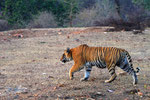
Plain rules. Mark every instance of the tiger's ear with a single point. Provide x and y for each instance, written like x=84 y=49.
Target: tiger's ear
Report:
x=68 y=50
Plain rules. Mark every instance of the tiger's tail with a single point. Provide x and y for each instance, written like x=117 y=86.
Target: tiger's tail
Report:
x=137 y=69
x=130 y=62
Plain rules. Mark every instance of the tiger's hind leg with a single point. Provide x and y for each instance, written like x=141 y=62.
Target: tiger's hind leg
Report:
x=112 y=73
x=127 y=67
x=131 y=71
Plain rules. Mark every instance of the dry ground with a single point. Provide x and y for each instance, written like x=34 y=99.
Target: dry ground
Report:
x=31 y=70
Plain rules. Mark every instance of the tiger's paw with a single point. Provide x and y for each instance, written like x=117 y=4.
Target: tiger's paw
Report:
x=83 y=79
x=71 y=78
x=135 y=83
x=107 y=81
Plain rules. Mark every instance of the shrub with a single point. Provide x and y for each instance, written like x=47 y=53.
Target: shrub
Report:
x=85 y=18
x=4 y=25
x=43 y=20
x=101 y=13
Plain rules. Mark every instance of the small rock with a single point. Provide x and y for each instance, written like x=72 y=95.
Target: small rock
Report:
x=133 y=91
x=126 y=99
x=3 y=57
x=82 y=36
x=140 y=60
x=54 y=88
x=68 y=37
x=99 y=93
x=61 y=85
x=42 y=42
x=18 y=35
x=110 y=90
x=77 y=40
x=137 y=31
x=4 y=39
x=140 y=94
x=16 y=97
x=89 y=99
x=45 y=57
x=59 y=33
x=33 y=60
x=50 y=77
x=44 y=73
x=45 y=33
x=148 y=87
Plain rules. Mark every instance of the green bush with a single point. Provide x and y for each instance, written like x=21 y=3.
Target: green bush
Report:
x=144 y=3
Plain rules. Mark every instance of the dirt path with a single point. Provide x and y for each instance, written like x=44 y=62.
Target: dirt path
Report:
x=30 y=67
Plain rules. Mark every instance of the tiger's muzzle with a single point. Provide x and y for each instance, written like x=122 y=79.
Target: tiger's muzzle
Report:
x=64 y=61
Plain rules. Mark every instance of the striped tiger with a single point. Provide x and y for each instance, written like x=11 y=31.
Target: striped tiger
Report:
x=102 y=57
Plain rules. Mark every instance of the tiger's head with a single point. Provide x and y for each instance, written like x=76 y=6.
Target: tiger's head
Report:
x=67 y=56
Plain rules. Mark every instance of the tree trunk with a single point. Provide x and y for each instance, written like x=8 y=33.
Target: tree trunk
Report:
x=118 y=9
x=70 y=16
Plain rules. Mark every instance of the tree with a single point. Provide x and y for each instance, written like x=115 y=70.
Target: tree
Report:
x=18 y=11
x=144 y=3
x=71 y=10
x=1 y=4
x=57 y=8
x=118 y=9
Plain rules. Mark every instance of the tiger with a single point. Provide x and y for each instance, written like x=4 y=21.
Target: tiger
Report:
x=85 y=57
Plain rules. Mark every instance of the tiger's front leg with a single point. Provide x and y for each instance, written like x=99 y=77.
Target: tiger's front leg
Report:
x=88 y=69
x=73 y=69
x=86 y=74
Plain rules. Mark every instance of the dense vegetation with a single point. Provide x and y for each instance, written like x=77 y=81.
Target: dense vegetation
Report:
x=18 y=11
x=23 y=13
x=144 y=3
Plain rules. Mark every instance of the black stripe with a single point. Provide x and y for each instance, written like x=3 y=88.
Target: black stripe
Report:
x=96 y=63
x=110 y=70
x=100 y=64
x=112 y=73
x=129 y=60
x=131 y=71
x=128 y=56
x=125 y=67
x=97 y=57
x=114 y=79
x=104 y=50
x=88 y=70
x=128 y=69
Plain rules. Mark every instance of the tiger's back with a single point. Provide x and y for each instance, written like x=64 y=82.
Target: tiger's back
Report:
x=107 y=55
